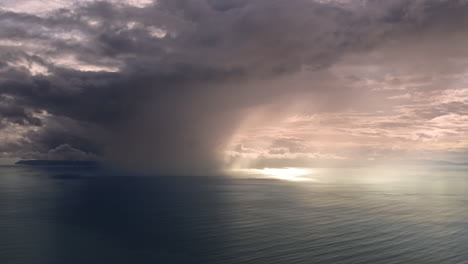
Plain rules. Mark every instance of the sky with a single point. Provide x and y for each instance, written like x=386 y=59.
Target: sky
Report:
x=186 y=86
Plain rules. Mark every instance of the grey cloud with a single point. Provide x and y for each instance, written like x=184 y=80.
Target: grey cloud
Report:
x=11 y=112
x=292 y=145
x=65 y=152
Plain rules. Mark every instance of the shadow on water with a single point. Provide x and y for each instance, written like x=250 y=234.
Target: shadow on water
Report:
x=100 y=218
x=149 y=218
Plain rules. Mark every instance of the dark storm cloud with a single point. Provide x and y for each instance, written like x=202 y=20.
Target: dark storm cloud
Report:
x=11 y=112
x=166 y=85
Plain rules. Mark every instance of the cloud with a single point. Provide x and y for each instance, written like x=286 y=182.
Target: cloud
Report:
x=62 y=152
x=166 y=85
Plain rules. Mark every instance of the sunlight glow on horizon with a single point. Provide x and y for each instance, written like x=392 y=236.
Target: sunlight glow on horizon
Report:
x=287 y=174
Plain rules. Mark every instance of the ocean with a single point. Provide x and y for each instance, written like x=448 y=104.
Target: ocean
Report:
x=81 y=215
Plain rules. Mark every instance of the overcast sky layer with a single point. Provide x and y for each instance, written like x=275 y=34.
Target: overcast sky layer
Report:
x=202 y=85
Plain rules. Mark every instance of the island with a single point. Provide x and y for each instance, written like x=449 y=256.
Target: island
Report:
x=80 y=163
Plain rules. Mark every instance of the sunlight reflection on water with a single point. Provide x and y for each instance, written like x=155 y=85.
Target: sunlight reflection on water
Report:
x=287 y=174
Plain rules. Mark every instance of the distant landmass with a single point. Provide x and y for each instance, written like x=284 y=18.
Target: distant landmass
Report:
x=435 y=162
x=57 y=163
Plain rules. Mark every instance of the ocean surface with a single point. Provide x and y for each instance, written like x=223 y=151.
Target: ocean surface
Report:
x=77 y=215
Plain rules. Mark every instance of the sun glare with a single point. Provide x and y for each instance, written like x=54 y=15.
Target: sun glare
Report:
x=287 y=174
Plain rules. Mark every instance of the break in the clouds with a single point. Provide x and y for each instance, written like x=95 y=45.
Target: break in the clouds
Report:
x=201 y=85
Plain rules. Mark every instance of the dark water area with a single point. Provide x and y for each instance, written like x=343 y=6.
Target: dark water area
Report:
x=72 y=215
